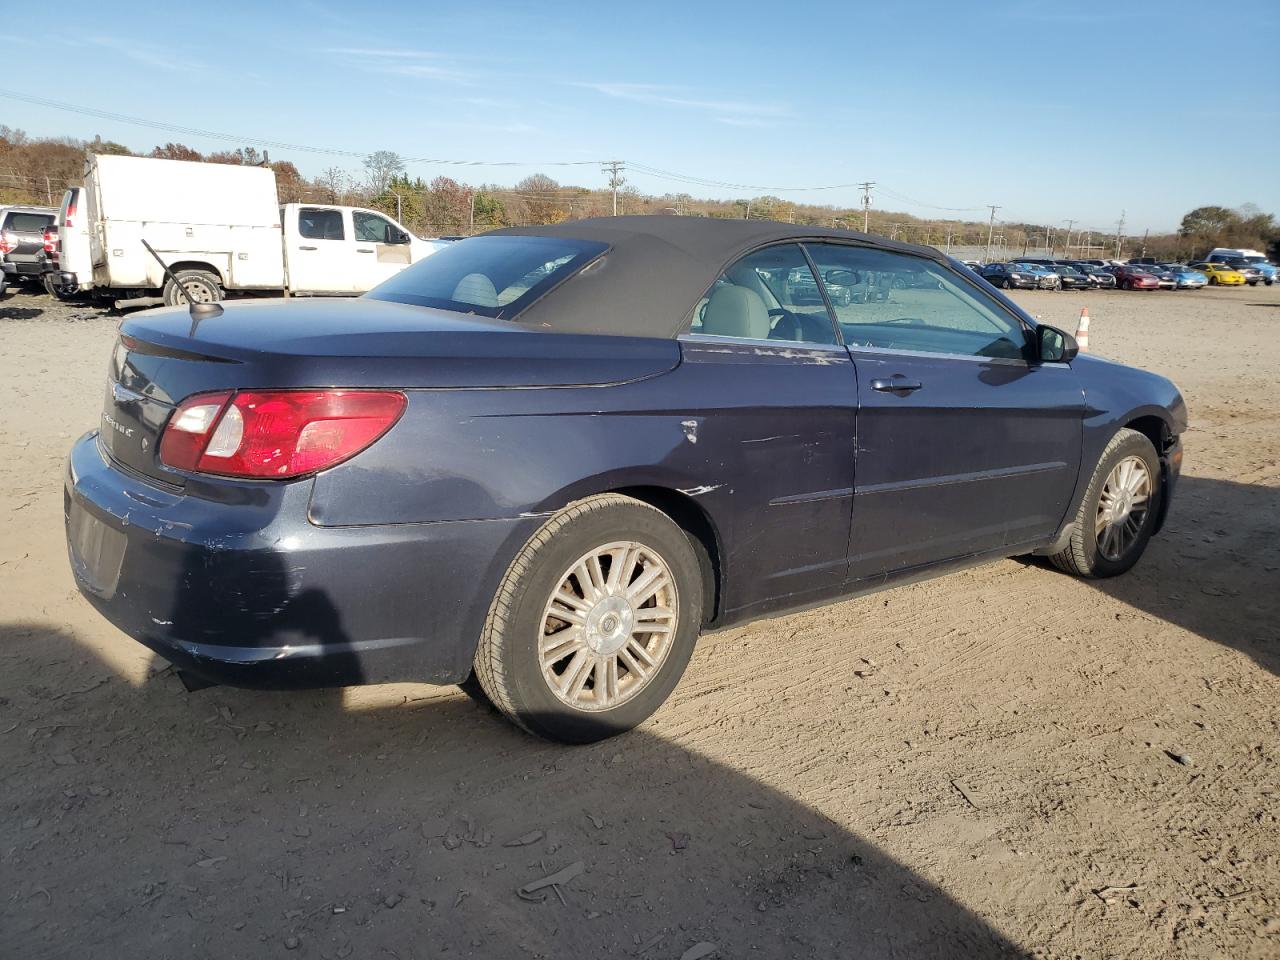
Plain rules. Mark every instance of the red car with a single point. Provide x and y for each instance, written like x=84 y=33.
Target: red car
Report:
x=1132 y=277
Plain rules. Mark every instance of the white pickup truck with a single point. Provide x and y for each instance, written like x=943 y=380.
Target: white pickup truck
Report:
x=219 y=228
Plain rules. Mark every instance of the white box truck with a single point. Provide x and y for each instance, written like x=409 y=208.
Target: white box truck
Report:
x=220 y=228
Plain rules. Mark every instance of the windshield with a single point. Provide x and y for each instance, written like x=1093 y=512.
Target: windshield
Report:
x=493 y=276
x=1064 y=268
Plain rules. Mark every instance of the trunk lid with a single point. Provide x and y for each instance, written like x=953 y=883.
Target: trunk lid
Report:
x=163 y=357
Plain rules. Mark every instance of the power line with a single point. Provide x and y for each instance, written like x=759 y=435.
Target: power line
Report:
x=278 y=144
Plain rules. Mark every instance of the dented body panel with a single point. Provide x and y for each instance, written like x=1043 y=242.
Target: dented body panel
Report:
x=807 y=480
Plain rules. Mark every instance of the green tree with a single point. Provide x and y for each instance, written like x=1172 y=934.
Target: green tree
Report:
x=489 y=210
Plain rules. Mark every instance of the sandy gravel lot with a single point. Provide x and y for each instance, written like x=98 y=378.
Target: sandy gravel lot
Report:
x=998 y=781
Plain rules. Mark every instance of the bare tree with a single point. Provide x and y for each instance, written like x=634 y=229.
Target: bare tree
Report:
x=541 y=197
x=381 y=166
x=333 y=184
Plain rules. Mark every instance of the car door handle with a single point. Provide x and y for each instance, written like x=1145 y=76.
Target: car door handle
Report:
x=896 y=384
x=364 y=249
x=306 y=248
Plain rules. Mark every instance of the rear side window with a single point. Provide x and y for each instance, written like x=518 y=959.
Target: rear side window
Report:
x=317 y=224
x=494 y=276
x=27 y=222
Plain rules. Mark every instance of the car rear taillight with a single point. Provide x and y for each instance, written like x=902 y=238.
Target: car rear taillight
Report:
x=50 y=239
x=276 y=434
x=7 y=242
x=71 y=208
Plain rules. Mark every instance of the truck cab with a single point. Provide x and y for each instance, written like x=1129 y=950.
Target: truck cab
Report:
x=344 y=250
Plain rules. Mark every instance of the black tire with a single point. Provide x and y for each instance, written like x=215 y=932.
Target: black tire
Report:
x=202 y=285
x=1127 y=285
x=60 y=291
x=471 y=687
x=1213 y=281
x=1082 y=556
x=1006 y=284
x=507 y=658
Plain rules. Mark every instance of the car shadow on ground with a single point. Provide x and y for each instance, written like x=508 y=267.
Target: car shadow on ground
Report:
x=1215 y=567
x=228 y=823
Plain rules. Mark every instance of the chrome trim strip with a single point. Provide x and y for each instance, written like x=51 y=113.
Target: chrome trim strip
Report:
x=812 y=497
x=951 y=479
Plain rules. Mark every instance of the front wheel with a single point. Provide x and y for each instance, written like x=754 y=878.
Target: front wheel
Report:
x=1006 y=284
x=1127 y=285
x=594 y=623
x=1119 y=510
x=200 y=284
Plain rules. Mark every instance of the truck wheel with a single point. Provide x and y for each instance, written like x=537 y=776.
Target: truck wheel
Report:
x=594 y=623
x=1118 y=512
x=60 y=291
x=202 y=285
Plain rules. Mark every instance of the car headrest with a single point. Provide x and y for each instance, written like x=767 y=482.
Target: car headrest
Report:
x=476 y=288
x=735 y=311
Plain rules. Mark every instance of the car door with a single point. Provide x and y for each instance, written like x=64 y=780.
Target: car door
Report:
x=321 y=252
x=965 y=446
x=777 y=399
x=375 y=259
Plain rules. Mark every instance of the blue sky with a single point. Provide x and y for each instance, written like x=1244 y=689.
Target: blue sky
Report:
x=1053 y=111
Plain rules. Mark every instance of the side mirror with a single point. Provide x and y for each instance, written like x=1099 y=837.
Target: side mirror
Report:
x=1055 y=346
x=842 y=278
x=394 y=235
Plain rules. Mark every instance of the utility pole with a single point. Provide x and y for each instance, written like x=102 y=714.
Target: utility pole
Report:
x=948 y=239
x=866 y=203
x=1048 y=240
x=1119 y=234
x=991 y=229
x=1070 y=225
x=471 y=222
x=1144 y=242
x=614 y=168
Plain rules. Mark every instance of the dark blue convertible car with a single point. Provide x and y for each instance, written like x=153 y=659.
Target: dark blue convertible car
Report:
x=542 y=461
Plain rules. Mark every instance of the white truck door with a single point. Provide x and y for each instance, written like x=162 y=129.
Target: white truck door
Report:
x=320 y=251
x=376 y=259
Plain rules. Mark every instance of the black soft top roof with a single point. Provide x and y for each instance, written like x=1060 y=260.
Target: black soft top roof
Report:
x=657 y=267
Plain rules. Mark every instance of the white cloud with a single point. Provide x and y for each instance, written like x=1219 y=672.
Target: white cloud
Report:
x=149 y=55
x=675 y=97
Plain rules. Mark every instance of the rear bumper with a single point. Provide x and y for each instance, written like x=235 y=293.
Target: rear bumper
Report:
x=246 y=591
x=23 y=268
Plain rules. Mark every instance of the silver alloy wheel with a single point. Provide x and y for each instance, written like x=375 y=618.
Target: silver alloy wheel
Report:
x=1122 y=507
x=608 y=626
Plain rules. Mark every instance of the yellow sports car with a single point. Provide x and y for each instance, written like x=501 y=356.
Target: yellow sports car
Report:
x=1219 y=273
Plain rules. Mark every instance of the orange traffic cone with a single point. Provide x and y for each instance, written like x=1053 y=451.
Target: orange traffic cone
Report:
x=1082 y=331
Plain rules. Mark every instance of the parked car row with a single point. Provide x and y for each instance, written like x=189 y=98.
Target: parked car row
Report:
x=1219 y=268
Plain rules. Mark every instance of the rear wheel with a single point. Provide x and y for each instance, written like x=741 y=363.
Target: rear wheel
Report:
x=1119 y=510
x=200 y=284
x=594 y=622
x=60 y=291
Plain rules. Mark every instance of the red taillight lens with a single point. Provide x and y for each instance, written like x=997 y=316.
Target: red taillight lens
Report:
x=50 y=239
x=276 y=434
x=71 y=209
x=7 y=243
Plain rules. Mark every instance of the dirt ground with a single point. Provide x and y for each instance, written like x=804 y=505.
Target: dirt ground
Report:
x=1002 y=762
